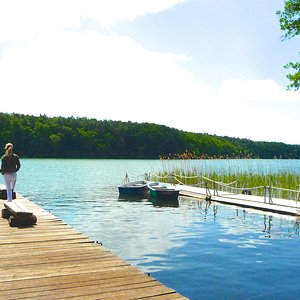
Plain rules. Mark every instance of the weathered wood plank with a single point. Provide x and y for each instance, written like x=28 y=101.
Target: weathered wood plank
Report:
x=17 y=207
x=77 y=285
x=65 y=250
x=51 y=281
x=113 y=290
x=39 y=260
x=51 y=260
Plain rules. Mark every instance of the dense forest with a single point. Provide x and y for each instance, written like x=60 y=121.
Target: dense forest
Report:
x=58 y=137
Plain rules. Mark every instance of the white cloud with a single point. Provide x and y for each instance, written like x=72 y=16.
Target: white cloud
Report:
x=256 y=90
x=257 y=109
x=109 y=12
x=22 y=20
x=88 y=70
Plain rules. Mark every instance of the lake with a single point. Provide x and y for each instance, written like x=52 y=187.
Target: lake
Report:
x=202 y=250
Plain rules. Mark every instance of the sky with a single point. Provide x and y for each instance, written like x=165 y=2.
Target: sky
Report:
x=205 y=66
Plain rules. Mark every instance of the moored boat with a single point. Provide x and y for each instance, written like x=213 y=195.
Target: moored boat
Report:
x=135 y=189
x=163 y=194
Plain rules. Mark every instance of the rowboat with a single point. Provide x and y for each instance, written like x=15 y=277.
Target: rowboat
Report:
x=162 y=194
x=133 y=189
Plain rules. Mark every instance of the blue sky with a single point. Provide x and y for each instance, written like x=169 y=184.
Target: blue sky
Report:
x=224 y=39
x=208 y=66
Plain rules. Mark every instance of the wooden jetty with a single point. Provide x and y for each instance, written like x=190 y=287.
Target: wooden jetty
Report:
x=277 y=205
x=228 y=193
x=51 y=260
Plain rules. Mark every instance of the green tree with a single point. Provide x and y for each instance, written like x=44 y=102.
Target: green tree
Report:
x=290 y=24
x=60 y=137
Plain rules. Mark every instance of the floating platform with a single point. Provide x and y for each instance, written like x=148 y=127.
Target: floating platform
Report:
x=51 y=260
x=282 y=206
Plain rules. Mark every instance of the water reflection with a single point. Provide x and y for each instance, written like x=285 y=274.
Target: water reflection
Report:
x=156 y=202
x=132 y=198
x=164 y=203
x=236 y=220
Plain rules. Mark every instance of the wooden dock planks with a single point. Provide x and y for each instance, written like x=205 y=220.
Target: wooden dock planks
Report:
x=281 y=206
x=51 y=260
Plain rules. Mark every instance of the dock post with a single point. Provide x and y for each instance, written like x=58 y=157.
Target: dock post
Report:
x=265 y=194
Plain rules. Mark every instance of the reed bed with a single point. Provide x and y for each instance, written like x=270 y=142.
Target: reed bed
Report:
x=245 y=172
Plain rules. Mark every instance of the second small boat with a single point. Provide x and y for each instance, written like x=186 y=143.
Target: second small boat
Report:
x=163 y=194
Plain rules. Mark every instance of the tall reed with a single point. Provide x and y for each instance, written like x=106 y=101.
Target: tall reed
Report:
x=246 y=172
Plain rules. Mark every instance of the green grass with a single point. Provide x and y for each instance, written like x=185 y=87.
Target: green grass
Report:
x=246 y=173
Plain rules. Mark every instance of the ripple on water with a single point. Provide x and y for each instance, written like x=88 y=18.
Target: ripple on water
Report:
x=203 y=250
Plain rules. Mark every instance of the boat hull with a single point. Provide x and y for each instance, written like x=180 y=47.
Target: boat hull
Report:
x=133 y=189
x=163 y=195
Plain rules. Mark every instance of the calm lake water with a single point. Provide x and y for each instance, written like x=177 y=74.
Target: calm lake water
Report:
x=202 y=251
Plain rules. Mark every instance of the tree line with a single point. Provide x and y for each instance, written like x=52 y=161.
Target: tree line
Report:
x=59 y=137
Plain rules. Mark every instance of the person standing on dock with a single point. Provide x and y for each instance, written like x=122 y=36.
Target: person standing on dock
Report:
x=10 y=165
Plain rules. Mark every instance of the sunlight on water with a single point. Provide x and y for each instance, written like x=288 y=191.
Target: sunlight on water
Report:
x=203 y=250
